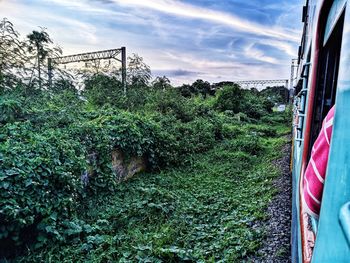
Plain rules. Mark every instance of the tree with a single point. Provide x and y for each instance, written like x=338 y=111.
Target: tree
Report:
x=138 y=72
x=101 y=89
x=63 y=85
x=230 y=98
x=12 y=55
x=161 y=83
x=38 y=42
x=203 y=87
x=186 y=90
x=276 y=94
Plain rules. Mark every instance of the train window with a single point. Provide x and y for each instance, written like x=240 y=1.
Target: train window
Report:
x=327 y=74
x=301 y=98
x=335 y=11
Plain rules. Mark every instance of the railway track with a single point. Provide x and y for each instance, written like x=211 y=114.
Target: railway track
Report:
x=276 y=245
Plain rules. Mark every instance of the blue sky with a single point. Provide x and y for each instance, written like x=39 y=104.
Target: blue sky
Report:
x=182 y=39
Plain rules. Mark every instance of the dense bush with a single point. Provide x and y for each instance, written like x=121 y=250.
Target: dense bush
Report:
x=234 y=99
x=39 y=181
x=46 y=140
x=230 y=98
x=101 y=89
x=40 y=173
x=171 y=103
x=11 y=109
x=277 y=94
x=42 y=166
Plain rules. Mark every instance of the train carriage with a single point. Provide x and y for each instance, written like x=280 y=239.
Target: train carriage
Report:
x=323 y=81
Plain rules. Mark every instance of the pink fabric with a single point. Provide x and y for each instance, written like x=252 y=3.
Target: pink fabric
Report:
x=316 y=170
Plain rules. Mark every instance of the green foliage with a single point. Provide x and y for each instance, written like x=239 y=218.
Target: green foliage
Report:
x=161 y=83
x=39 y=180
x=198 y=87
x=63 y=85
x=203 y=87
x=39 y=40
x=102 y=89
x=39 y=49
x=11 y=109
x=277 y=94
x=277 y=117
x=203 y=212
x=138 y=72
x=249 y=144
x=208 y=178
x=229 y=98
x=44 y=158
x=234 y=99
x=187 y=90
x=12 y=55
x=171 y=103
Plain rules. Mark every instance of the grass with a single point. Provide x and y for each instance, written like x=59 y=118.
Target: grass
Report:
x=204 y=211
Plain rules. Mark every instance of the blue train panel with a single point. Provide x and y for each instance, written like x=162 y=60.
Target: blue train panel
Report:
x=324 y=81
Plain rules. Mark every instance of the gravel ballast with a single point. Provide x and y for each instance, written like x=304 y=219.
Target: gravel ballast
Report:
x=276 y=246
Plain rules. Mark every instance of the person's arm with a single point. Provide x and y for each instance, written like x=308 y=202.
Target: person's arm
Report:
x=315 y=172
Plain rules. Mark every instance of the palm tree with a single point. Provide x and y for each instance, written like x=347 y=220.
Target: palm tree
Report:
x=161 y=83
x=38 y=40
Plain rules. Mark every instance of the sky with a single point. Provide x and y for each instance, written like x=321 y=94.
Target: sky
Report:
x=185 y=40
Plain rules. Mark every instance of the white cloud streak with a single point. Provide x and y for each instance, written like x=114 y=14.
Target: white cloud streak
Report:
x=186 y=10
x=251 y=52
x=86 y=32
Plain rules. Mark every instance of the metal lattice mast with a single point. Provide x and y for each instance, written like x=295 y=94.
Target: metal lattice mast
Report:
x=292 y=72
x=91 y=56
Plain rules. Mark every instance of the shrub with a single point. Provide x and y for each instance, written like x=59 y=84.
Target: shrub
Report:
x=11 y=109
x=249 y=144
x=230 y=131
x=101 y=89
x=39 y=181
x=230 y=98
x=170 y=102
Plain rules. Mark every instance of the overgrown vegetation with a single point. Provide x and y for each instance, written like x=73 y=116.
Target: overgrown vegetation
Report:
x=208 y=158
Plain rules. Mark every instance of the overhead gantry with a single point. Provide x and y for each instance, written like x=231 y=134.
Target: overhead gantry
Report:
x=91 y=56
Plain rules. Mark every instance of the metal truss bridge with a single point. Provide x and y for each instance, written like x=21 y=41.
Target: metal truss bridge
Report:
x=91 y=56
x=263 y=83
x=254 y=83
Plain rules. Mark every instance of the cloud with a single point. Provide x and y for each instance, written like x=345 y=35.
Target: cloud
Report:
x=254 y=53
x=175 y=73
x=286 y=47
x=82 y=6
x=178 y=8
x=180 y=40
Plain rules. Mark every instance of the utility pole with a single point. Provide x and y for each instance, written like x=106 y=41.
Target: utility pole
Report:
x=123 y=50
x=49 y=71
x=292 y=72
x=293 y=65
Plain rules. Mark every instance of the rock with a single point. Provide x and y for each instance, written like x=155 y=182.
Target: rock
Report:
x=137 y=164
x=118 y=165
x=122 y=168
x=125 y=170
